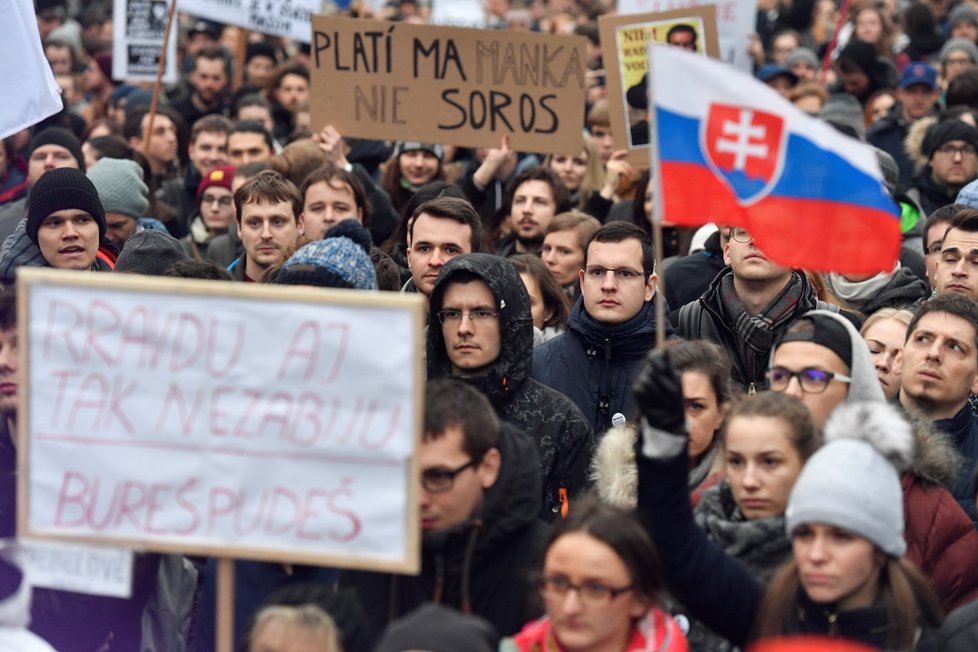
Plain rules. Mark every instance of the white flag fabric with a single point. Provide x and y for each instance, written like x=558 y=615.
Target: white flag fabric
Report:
x=30 y=92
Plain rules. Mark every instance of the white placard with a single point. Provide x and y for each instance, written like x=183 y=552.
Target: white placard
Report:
x=291 y=18
x=138 y=27
x=736 y=20
x=260 y=422
x=93 y=570
x=459 y=13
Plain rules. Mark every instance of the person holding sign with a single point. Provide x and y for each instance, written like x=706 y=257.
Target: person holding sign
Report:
x=269 y=214
x=478 y=298
x=481 y=539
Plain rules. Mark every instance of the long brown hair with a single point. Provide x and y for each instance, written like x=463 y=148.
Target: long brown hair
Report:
x=909 y=600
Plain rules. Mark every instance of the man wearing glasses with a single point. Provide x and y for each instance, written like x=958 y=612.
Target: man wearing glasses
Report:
x=216 y=212
x=611 y=328
x=951 y=148
x=481 y=540
x=821 y=360
x=746 y=307
x=480 y=329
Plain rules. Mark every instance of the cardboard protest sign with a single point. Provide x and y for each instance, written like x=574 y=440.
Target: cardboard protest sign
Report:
x=280 y=18
x=451 y=85
x=258 y=422
x=624 y=42
x=137 y=41
x=735 y=21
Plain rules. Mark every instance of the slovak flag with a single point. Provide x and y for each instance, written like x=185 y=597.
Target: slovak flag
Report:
x=729 y=149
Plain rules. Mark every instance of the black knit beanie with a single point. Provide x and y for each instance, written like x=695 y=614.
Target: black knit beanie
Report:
x=58 y=136
x=59 y=189
x=942 y=132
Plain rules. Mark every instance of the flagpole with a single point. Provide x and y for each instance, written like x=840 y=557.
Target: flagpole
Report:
x=656 y=217
x=148 y=134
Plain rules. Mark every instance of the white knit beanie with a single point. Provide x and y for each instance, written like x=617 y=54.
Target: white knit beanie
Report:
x=853 y=481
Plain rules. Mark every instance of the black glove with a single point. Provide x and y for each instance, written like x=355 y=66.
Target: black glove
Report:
x=658 y=392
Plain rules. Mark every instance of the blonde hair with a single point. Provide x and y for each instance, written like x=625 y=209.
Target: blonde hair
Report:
x=901 y=315
x=307 y=616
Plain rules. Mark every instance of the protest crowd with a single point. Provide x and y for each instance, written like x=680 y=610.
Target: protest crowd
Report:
x=797 y=463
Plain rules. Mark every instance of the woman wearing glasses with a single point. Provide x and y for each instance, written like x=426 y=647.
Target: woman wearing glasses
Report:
x=600 y=586
x=847 y=576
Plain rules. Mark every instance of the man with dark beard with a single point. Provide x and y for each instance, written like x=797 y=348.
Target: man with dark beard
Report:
x=533 y=197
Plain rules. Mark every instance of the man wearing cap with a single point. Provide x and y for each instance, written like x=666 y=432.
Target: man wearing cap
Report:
x=50 y=148
x=215 y=202
x=917 y=97
x=777 y=77
x=124 y=198
x=951 y=148
x=207 y=85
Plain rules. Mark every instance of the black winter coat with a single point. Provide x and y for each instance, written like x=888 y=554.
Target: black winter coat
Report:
x=563 y=437
x=484 y=566
x=594 y=364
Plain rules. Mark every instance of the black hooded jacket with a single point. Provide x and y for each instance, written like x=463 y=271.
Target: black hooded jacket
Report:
x=563 y=437
x=484 y=566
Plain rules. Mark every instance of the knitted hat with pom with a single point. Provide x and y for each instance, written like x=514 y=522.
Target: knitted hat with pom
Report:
x=340 y=260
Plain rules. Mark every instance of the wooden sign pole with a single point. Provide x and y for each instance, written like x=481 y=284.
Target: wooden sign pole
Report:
x=148 y=134
x=239 y=57
x=225 y=605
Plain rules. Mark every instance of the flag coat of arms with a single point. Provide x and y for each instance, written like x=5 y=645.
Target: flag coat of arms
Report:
x=729 y=149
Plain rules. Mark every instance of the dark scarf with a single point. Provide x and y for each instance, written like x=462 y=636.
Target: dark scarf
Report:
x=761 y=544
x=755 y=333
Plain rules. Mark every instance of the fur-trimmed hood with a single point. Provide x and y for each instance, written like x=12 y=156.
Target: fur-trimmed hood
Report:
x=613 y=470
x=936 y=459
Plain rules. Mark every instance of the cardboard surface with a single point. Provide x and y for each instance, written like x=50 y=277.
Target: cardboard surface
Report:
x=623 y=41
x=225 y=419
x=450 y=85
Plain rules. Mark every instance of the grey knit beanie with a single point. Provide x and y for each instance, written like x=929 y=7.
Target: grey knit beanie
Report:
x=853 y=481
x=801 y=55
x=150 y=252
x=340 y=260
x=120 y=186
x=61 y=189
x=963 y=44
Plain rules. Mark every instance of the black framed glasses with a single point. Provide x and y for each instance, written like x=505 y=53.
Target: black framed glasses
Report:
x=438 y=481
x=598 y=273
x=556 y=587
x=811 y=380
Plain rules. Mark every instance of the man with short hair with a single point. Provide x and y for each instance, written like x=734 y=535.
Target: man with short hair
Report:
x=480 y=329
x=957 y=265
x=162 y=151
x=249 y=142
x=951 y=148
x=50 y=148
x=225 y=249
x=481 y=539
x=269 y=218
x=917 y=97
x=746 y=307
x=933 y=234
x=535 y=196
x=939 y=373
x=208 y=149
x=683 y=36
x=611 y=328
x=208 y=85
x=440 y=229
